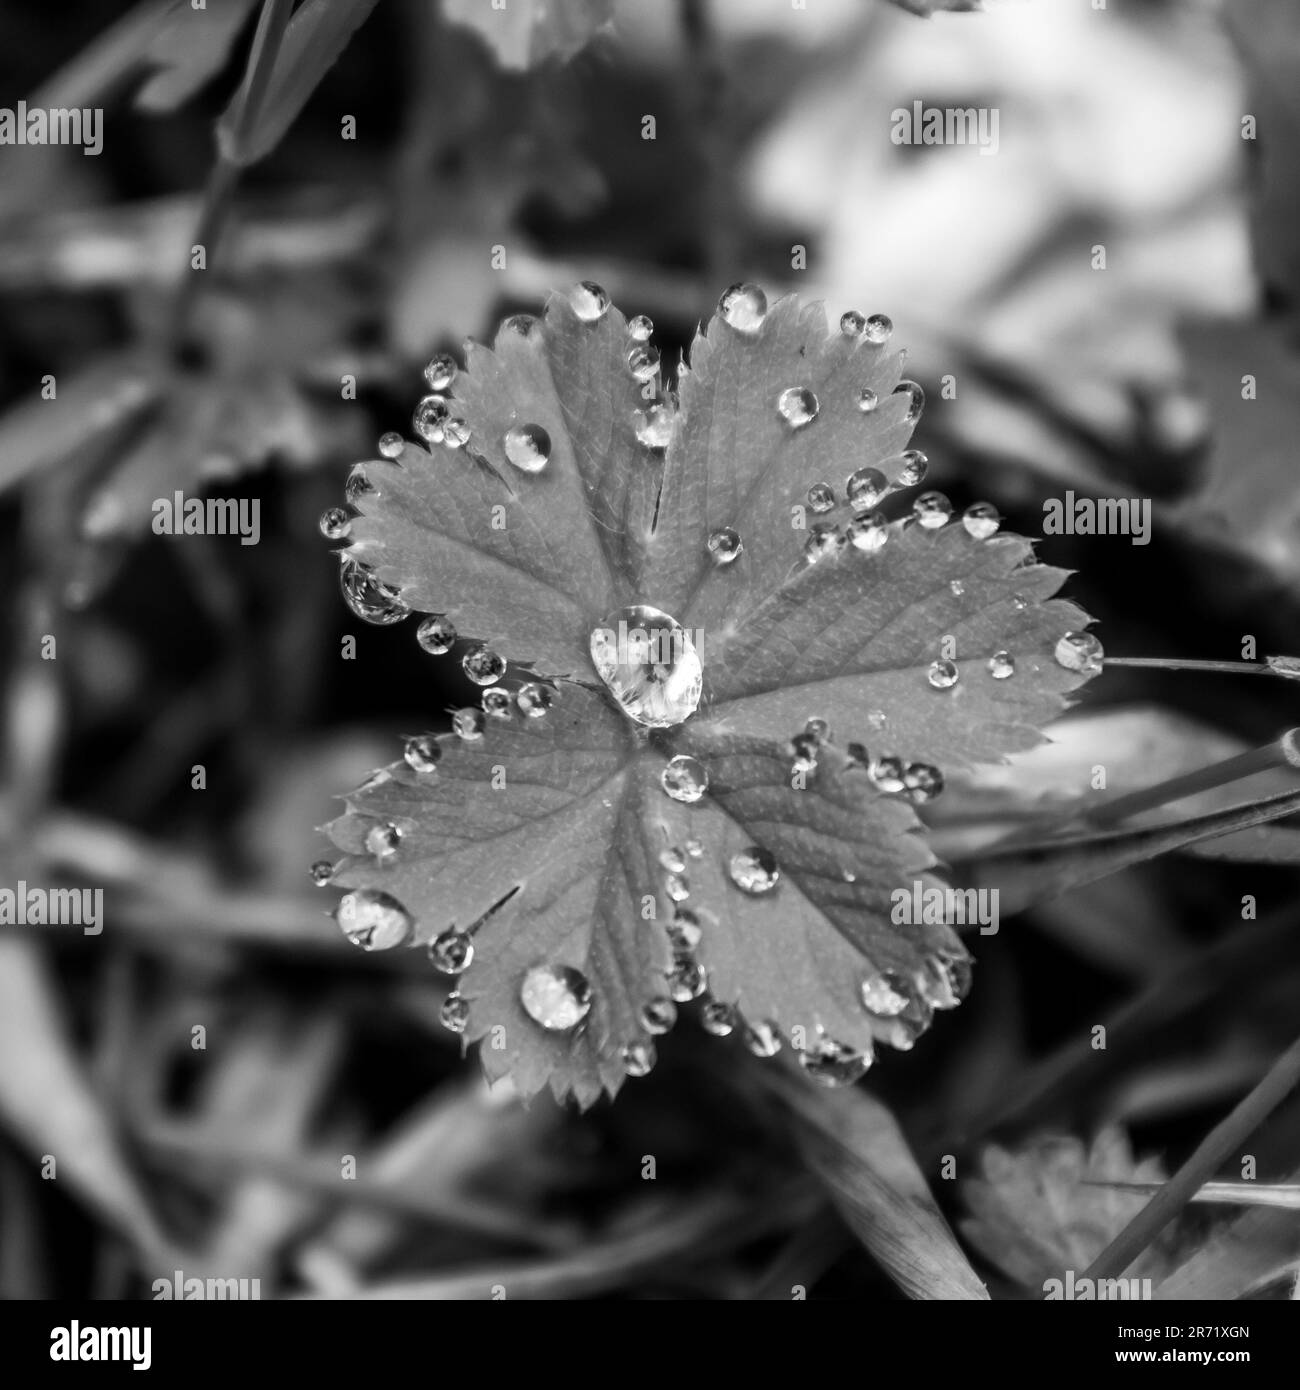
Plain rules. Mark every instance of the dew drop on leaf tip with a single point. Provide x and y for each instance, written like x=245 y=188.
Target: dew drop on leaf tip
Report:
x=915 y=399
x=981 y=520
x=762 y=1038
x=497 y=703
x=687 y=980
x=868 y=532
x=335 y=524
x=451 y=953
x=383 y=841
x=643 y=362
x=367 y=597
x=440 y=371
x=358 y=484
x=1080 y=652
x=483 y=666
x=658 y=1015
x=639 y=1058
x=832 y=1063
x=454 y=1014
x=467 y=725
x=372 y=920
x=640 y=328
x=931 y=510
x=865 y=488
x=878 y=328
x=535 y=700
x=322 y=873
x=422 y=753
x=718 y=1019
x=430 y=417
x=852 y=324
x=743 y=307
x=436 y=635
x=391 y=445
x=589 y=300
x=886 y=994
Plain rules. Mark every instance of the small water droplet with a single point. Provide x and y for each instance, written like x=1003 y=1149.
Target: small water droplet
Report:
x=1019 y=602
x=640 y=328
x=371 y=601
x=452 y=953
x=825 y=539
x=763 y=1038
x=422 y=753
x=430 y=417
x=556 y=996
x=724 y=545
x=685 y=931
x=797 y=406
x=857 y=755
x=335 y=524
x=643 y=361
x=922 y=782
x=865 y=488
x=803 y=753
x=981 y=520
x=1001 y=665
x=931 y=510
x=821 y=497
x=915 y=399
x=695 y=849
x=436 y=635
x=717 y=1019
x=528 y=447
x=654 y=427
x=372 y=920
x=867 y=400
x=685 y=778
x=535 y=700
x=440 y=371
x=589 y=300
x=358 y=485
x=833 y=1063
x=943 y=675
x=391 y=445
x=754 y=871
x=1080 y=651
x=852 y=324
x=676 y=888
x=468 y=724
x=383 y=841
x=912 y=466
x=521 y=325
x=887 y=774
x=322 y=873
x=455 y=432
x=454 y=1014
x=658 y=1015
x=497 y=703
x=868 y=532
x=878 y=328
x=886 y=995
x=877 y=719
x=483 y=666
x=743 y=307
x=687 y=980
x=673 y=860
x=638 y=1058
x=649 y=664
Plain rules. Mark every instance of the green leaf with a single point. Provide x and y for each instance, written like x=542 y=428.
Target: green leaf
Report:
x=525 y=33
x=552 y=838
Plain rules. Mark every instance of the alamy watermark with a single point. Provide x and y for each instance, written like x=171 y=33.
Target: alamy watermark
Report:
x=934 y=905
x=1098 y=516
x=1084 y=1289
x=60 y=125
x=28 y=905
x=945 y=125
x=179 y=515
x=193 y=1289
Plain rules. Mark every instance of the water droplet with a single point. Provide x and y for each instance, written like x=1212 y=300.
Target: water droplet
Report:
x=1286 y=666
x=912 y=466
x=695 y=849
x=832 y=1063
x=556 y=996
x=981 y=520
x=654 y=427
x=797 y=406
x=939 y=983
x=763 y=1038
x=931 y=510
x=685 y=931
x=391 y=445
x=638 y=1058
x=452 y=953
x=956 y=587
x=455 y=432
x=483 y=666
x=430 y=417
x=958 y=970
x=718 y=1019
x=641 y=328
x=589 y=300
x=867 y=400
x=650 y=665
x=878 y=328
x=821 y=497
x=643 y=361
x=673 y=860
x=528 y=447
x=877 y=719
x=724 y=545
x=658 y=1015
x=824 y=540
x=372 y=920
x=1080 y=651
x=371 y=600
x=497 y=703
x=1019 y=602
x=852 y=323
x=383 y=841
x=422 y=753
x=440 y=371
x=818 y=729
x=869 y=532
x=857 y=755
x=915 y=399
x=521 y=325
x=943 y=675
x=685 y=778
x=676 y=888
x=865 y=488
x=468 y=724
x=454 y=1014
x=887 y=774
x=1001 y=665
x=335 y=524
x=743 y=307
x=535 y=700
x=436 y=635
x=922 y=782
x=358 y=485
x=687 y=980
x=886 y=995
x=322 y=873
x=754 y=871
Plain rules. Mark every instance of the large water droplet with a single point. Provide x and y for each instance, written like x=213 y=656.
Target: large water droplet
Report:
x=654 y=427
x=454 y=1014
x=650 y=665
x=372 y=920
x=528 y=447
x=638 y=1058
x=821 y=498
x=852 y=323
x=878 y=328
x=658 y=1015
x=763 y=1038
x=687 y=980
x=867 y=400
x=358 y=485
x=335 y=524
x=451 y=953
x=887 y=774
x=556 y=996
x=1080 y=651
x=724 y=545
x=685 y=778
x=743 y=307
x=430 y=418
x=640 y=328
x=436 y=635
x=468 y=725
x=915 y=399
x=981 y=520
x=483 y=666
x=422 y=753
x=797 y=406
x=1002 y=665
x=497 y=703
x=718 y=1019
x=922 y=782
x=371 y=600
x=754 y=870
x=912 y=466
x=535 y=700
x=869 y=532
x=833 y=1063
x=589 y=300
x=931 y=510
x=383 y=841
x=391 y=445
x=865 y=488
x=886 y=995
x=440 y=371
x=643 y=361
x=943 y=674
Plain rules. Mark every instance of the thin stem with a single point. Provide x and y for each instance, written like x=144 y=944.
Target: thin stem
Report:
x=1174 y=663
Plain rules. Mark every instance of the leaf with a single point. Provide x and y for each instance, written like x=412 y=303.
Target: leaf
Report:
x=1285 y=1196
x=315 y=37
x=525 y=33
x=927 y=8
x=546 y=835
